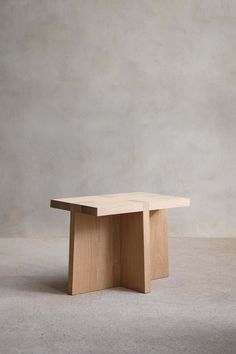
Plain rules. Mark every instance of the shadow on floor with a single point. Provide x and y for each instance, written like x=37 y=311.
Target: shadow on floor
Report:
x=46 y=284
x=58 y=285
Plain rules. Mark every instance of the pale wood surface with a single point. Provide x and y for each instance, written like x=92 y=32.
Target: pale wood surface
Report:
x=135 y=251
x=159 y=244
x=118 y=239
x=109 y=251
x=111 y=204
x=146 y=247
x=94 y=258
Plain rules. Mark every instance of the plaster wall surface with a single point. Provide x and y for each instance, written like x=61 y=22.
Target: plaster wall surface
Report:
x=110 y=96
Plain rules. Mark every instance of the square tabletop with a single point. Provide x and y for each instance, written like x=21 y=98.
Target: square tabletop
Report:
x=121 y=203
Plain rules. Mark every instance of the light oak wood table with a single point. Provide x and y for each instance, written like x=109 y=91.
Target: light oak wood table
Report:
x=118 y=240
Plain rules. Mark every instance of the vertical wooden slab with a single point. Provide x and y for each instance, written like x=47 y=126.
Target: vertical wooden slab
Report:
x=159 y=244
x=135 y=251
x=94 y=258
x=146 y=247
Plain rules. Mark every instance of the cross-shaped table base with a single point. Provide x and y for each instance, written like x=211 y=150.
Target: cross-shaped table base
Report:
x=118 y=240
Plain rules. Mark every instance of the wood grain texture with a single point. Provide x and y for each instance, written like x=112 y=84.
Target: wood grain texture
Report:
x=118 y=239
x=135 y=251
x=112 y=204
x=94 y=259
x=159 y=244
x=146 y=247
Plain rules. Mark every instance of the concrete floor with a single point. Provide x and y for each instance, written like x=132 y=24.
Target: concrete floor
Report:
x=192 y=311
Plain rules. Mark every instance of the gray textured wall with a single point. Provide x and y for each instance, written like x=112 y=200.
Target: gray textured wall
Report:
x=111 y=96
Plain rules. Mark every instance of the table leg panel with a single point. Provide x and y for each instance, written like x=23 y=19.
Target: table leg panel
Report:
x=94 y=259
x=135 y=251
x=159 y=244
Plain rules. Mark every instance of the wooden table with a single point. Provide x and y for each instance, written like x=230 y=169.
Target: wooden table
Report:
x=118 y=240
